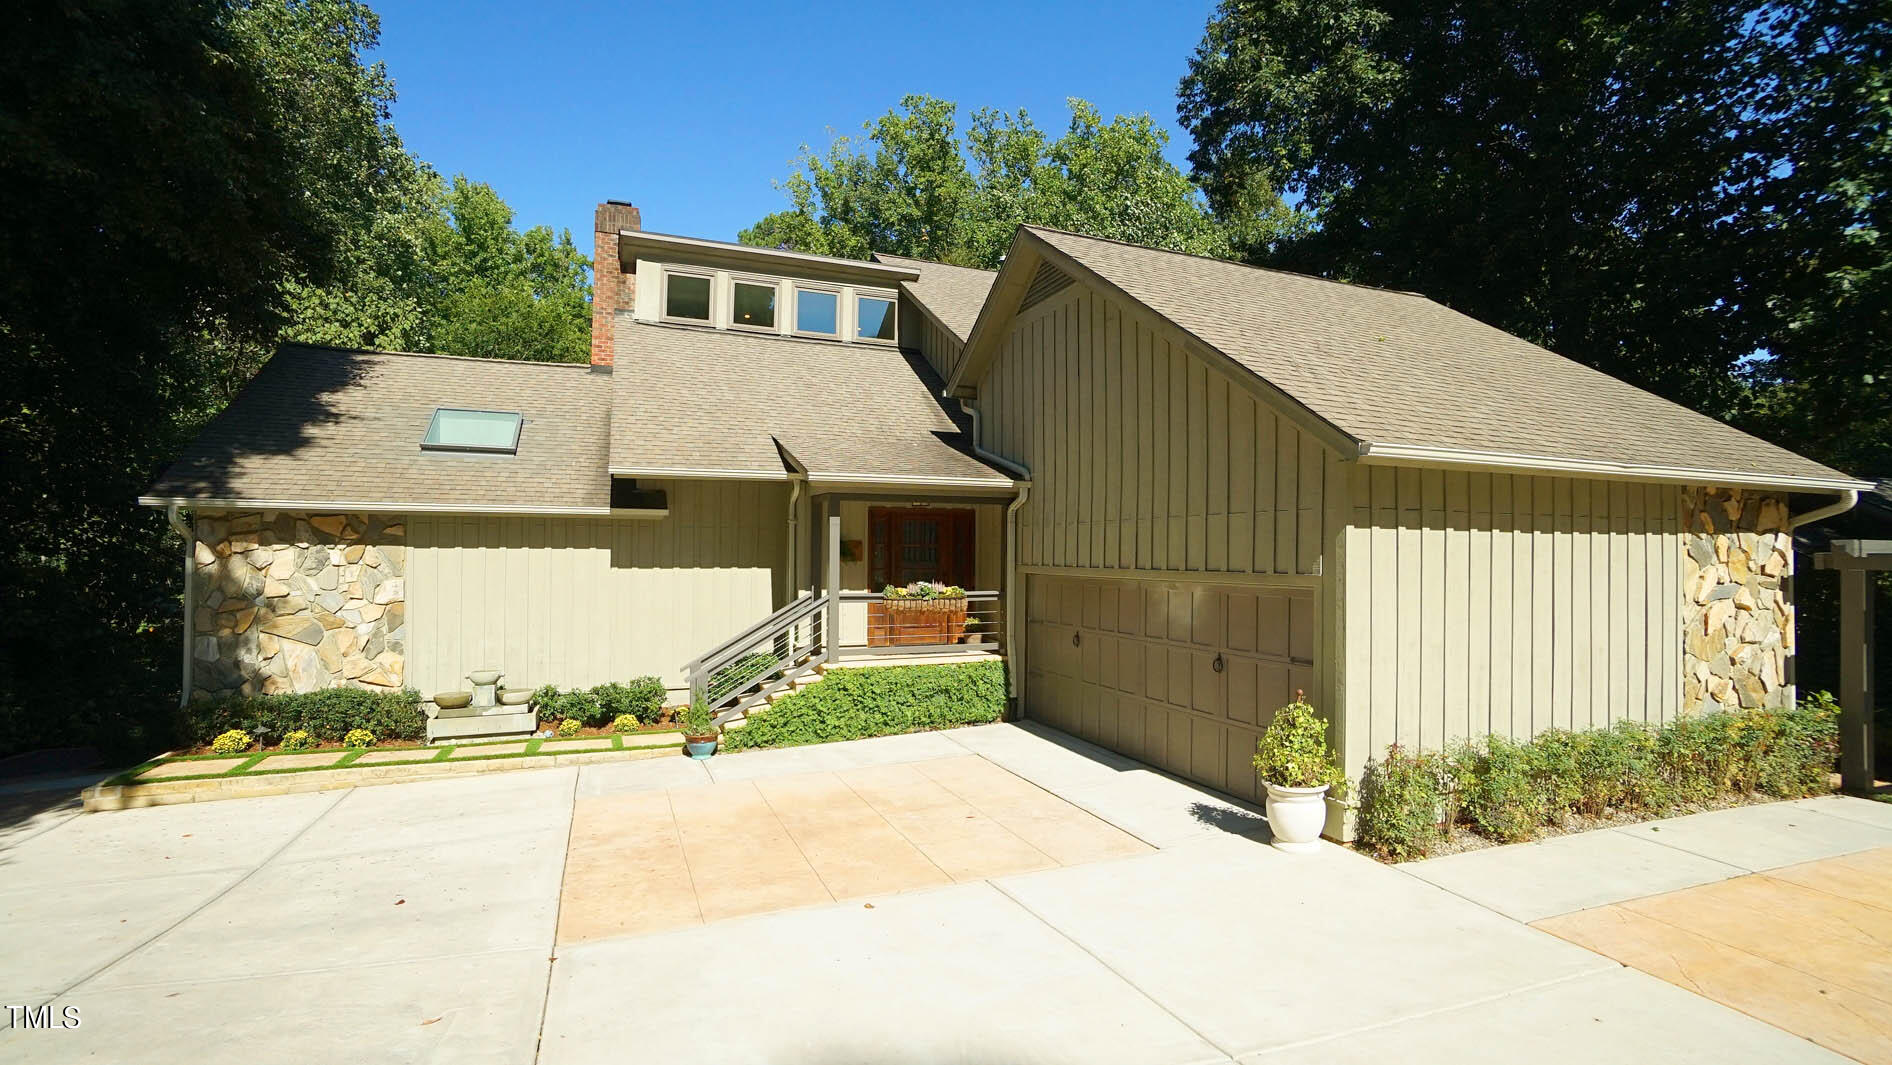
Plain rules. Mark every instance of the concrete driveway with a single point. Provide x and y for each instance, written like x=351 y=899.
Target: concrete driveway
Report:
x=423 y=922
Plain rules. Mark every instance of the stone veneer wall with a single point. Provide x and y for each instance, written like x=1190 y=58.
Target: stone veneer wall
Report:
x=1737 y=623
x=296 y=602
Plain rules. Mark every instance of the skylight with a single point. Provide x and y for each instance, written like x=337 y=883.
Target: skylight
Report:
x=491 y=431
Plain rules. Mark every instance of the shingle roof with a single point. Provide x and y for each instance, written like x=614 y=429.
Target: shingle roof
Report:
x=954 y=294
x=1394 y=368
x=325 y=426
x=706 y=400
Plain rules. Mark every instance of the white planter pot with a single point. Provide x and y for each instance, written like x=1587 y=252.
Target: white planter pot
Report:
x=1296 y=816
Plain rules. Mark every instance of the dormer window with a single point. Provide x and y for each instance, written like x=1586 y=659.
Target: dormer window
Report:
x=686 y=297
x=485 y=431
x=752 y=305
x=874 y=318
x=817 y=312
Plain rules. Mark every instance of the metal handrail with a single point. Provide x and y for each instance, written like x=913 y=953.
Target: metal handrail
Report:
x=722 y=654
x=792 y=657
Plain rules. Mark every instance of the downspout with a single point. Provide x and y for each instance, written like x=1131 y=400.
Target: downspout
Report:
x=190 y=608
x=1848 y=498
x=1011 y=588
x=1023 y=484
x=794 y=528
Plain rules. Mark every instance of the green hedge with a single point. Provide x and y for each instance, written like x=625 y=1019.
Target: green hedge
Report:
x=1511 y=791
x=327 y=715
x=881 y=701
x=600 y=706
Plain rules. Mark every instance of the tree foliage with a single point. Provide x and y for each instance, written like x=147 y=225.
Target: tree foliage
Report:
x=162 y=182
x=188 y=182
x=914 y=185
x=440 y=267
x=1692 y=202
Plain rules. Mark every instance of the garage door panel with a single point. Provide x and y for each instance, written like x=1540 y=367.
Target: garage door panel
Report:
x=1301 y=629
x=1205 y=685
x=1272 y=626
x=1241 y=621
x=1207 y=761
x=1130 y=611
x=1244 y=679
x=1241 y=764
x=1140 y=676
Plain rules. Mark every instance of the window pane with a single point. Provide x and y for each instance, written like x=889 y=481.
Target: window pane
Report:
x=876 y=322
x=472 y=430
x=687 y=297
x=815 y=311
x=754 y=306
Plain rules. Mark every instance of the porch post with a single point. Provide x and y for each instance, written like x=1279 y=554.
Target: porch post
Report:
x=831 y=626
x=1855 y=672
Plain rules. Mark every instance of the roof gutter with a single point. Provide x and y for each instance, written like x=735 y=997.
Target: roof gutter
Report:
x=1415 y=454
x=1848 y=498
x=978 y=448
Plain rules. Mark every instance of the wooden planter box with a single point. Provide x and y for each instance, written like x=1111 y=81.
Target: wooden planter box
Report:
x=915 y=622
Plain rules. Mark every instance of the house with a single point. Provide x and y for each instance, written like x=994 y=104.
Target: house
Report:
x=1177 y=490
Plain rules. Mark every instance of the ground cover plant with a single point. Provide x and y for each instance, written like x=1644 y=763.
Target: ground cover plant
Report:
x=854 y=703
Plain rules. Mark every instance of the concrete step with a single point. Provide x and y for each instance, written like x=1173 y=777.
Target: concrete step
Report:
x=871 y=661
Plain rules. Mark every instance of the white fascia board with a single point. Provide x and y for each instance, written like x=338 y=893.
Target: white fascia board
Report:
x=916 y=482
x=385 y=507
x=1417 y=455
x=683 y=474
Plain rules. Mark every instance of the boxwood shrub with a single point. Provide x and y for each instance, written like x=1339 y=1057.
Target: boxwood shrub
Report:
x=878 y=701
x=327 y=715
x=1508 y=790
x=641 y=698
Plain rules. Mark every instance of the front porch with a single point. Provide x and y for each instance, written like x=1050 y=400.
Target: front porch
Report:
x=877 y=579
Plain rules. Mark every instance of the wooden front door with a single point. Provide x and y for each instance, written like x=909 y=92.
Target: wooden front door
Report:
x=914 y=544
x=905 y=545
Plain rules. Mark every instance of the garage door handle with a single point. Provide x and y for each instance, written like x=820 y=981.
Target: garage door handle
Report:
x=1217 y=665
x=1077 y=638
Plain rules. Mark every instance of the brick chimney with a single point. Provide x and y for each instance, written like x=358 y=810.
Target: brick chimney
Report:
x=612 y=289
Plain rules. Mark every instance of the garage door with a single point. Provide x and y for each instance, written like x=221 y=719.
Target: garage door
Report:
x=1182 y=676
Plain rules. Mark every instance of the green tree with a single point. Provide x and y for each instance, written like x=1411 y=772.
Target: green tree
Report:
x=914 y=186
x=440 y=267
x=1562 y=171
x=163 y=181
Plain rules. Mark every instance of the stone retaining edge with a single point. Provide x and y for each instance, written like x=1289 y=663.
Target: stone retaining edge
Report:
x=100 y=797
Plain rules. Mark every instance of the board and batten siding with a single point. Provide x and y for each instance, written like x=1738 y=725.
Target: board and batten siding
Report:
x=917 y=331
x=1489 y=603
x=1143 y=456
x=579 y=601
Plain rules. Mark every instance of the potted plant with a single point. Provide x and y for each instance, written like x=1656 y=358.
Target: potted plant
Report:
x=1299 y=771
x=699 y=729
x=924 y=612
x=971 y=635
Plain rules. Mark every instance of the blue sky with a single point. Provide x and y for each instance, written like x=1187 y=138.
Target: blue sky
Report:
x=705 y=104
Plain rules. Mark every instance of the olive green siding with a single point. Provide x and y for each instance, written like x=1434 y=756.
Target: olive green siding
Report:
x=920 y=333
x=1143 y=455
x=1490 y=603
x=580 y=601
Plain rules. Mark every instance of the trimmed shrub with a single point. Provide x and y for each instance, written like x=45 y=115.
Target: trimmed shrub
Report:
x=326 y=715
x=880 y=701
x=1500 y=789
x=598 y=706
x=624 y=723
x=1404 y=803
x=1293 y=751
x=298 y=740
x=1510 y=791
x=232 y=742
x=570 y=727
x=358 y=737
